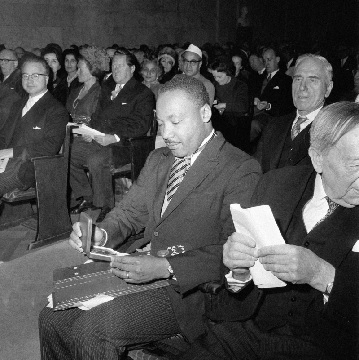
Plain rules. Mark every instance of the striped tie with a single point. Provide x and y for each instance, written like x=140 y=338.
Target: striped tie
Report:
x=332 y=206
x=178 y=172
x=296 y=127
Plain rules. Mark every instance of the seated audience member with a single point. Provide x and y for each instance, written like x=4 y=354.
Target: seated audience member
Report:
x=35 y=127
x=56 y=86
x=167 y=58
x=285 y=140
x=82 y=102
x=239 y=60
x=316 y=314
x=275 y=98
x=193 y=181
x=124 y=110
x=151 y=71
x=71 y=59
x=10 y=73
x=232 y=102
x=20 y=52
x=256 y=76
x=192 y=62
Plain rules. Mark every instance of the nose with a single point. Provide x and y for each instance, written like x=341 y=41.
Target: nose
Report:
x=166 y=132
x=303 y=85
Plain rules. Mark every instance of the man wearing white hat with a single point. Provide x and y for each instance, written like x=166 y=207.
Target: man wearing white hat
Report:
x=192 y=62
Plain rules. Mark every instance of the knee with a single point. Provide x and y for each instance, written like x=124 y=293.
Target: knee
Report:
x=98 y=161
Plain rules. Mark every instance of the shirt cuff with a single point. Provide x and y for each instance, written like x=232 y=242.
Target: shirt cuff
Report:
x=116 y=137
x=104 y=238
x=236 y=285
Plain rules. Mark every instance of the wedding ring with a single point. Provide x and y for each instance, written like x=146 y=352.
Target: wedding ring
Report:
x=127 y=274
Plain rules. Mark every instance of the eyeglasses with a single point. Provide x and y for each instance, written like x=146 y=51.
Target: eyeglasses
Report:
x=6 y=61
x=32 y=76
x=191 y=62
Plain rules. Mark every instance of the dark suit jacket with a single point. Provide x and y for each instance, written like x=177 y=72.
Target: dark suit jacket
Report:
x=40 y=132
x=7 y=98
x=195 y=224
x=287 y=190
x=14 y=82
x=278 y=93
x=273 y=140
x=130 y=114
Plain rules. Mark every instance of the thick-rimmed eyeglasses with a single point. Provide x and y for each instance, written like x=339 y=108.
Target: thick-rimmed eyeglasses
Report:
x=32 y=76
x=191 y=62
x=6 y=61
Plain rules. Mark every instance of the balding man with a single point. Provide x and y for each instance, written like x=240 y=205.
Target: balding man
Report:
x=315 y=315
x=285 y=140
x=36 y=126
x=11 y=75
x=192 y=62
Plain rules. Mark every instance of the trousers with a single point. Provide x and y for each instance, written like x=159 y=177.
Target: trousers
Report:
x=105 y=331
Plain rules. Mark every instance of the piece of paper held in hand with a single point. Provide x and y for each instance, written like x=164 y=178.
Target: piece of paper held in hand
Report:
x=3 y=163
x=259 y=223
x=86 y=130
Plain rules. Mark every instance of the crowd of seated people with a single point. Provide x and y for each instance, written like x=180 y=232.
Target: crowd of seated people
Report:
x=202 y=94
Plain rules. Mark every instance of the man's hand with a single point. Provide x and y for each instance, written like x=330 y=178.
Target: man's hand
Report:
x=105 y=140
x=256 y=101
x=239 y=254
x=262 y=105
x=297 y=264
x=6 y=153
x=75 y=237
x=87 y=138
x=140 y=269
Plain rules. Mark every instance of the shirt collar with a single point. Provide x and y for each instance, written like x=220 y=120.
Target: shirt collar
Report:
x=273 y=73
x=35 y=98
x=311 y=116
x=319 y=193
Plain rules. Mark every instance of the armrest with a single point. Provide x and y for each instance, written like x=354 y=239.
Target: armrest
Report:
x=47 y=157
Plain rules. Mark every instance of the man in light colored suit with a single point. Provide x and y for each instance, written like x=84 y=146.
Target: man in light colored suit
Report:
x=36 y=126
x=181 y=199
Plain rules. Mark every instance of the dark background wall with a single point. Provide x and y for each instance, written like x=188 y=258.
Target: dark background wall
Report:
x=34 y=23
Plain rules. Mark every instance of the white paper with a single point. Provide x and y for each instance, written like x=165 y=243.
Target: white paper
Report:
x=83 y=129
x=259 y=223
x=3 y=163
x=356 y=247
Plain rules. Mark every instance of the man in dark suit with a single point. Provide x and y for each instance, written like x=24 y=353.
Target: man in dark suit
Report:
x=10 y=73
x=35 y=127
x=315 y=315
x=285 y=140
x=125 y=110
x=185 y=226
x=275 y=98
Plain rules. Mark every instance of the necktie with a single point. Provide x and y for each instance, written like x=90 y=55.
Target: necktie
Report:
x=332 y=206
x=265 y=82
x=178 y=172
x=115 y=92
x=296 y=127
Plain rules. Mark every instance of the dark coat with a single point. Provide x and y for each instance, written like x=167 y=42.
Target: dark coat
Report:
x=195 y=224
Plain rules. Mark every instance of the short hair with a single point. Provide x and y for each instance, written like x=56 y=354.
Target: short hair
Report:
x=131 y=59
x=223 y=64
x=193 y=88
x=73 y=52
x=37 y=60
x=328 y=69
x=332 y=123
x=94 y=70
x=12 y=52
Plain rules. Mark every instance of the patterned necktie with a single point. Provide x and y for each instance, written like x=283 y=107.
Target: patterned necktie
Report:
x=115 y=92
x=178 y=172
x=296 y=127
x=265 y=82
x=332 y=206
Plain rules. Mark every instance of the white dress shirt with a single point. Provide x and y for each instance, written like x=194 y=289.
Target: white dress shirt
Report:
x=310 y=117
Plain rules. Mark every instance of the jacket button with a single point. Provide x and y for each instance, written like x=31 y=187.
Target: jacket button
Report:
x=155 y=233
x=290 y=313
x=293 y=298
x=306 y=244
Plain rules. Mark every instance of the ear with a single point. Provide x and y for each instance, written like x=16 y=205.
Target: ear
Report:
x=317 y=159
x=133 y=68
x=277 y=59
x=329 y=89
x=206 y=113
x=16 y=63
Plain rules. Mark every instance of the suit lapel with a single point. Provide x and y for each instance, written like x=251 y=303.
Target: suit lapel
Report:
x=279 y=138
x=202 y=167
x=301 y=145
